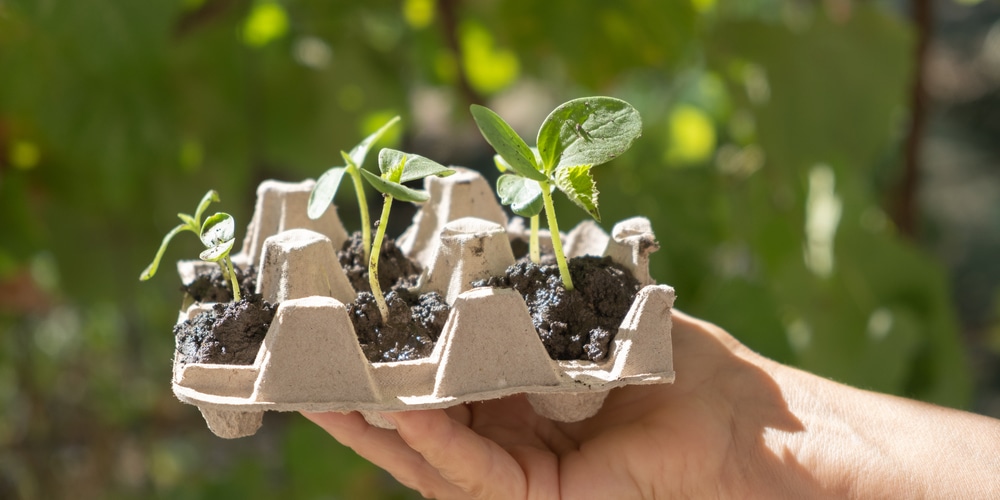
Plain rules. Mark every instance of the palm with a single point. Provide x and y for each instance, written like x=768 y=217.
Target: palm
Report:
x=645 y=441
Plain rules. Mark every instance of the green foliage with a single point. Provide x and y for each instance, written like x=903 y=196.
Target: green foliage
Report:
x=574 y=138
x=140 y=104
x=218 y=234
x=188 y=223
x=326 y=186
x=397 y=167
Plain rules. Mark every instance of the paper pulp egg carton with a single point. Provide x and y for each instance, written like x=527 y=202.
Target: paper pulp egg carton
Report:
x=311 y=360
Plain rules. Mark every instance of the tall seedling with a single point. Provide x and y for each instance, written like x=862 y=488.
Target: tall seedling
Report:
x=326 y=186
x=577 y=136
x=396 y=168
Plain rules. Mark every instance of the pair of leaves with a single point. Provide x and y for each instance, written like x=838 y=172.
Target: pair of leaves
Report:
x=398 y=167
x=326 y=186
x=574 y=138
x=218 y=234
x=189 y=223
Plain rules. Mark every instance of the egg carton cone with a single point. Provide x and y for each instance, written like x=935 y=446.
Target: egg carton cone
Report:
x=310 y=358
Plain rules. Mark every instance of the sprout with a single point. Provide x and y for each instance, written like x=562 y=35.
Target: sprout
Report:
x=396 y=168
x=218 y=234
x=190 y=223
x=326 y=186
x=574 y=138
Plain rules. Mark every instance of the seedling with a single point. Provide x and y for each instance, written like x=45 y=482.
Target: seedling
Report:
x=534 y=252
x=396 y=168
x=189 y=223
x=574 y=138
x=326 y=186
x=218 y=234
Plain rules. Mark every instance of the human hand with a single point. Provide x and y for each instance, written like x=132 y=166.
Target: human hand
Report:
x=700 y=436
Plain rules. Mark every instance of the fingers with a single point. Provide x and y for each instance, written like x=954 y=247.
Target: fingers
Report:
x=387 y=450
x=476 y=465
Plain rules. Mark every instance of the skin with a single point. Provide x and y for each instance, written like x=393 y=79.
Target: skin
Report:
x=734 y=424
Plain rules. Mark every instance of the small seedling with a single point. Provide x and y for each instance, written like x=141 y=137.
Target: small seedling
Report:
x=574 y=138
x=218 y=234
x=534 y=251
x=396 y=168
x=189 y=223
x=326 y=186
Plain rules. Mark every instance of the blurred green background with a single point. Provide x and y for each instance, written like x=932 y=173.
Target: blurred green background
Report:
x=822 y=177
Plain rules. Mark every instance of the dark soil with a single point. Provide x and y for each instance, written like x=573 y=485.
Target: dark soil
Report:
x=414 y=324
x=394 y=268
x=229 y=333
x=213 y=287
x=577 y=324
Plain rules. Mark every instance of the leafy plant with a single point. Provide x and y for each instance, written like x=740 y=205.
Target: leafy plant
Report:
x=189 y=223
x=218 y=234
x=396 y=168
x=575 y=137
x=534 y=251
x=326 y=186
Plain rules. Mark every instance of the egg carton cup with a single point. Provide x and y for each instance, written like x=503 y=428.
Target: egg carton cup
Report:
x=310 y=358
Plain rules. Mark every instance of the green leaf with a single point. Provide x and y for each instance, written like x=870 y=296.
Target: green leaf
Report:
x=153 y=266
x=218 y=229
x=579 y=186
x=358 y=154
x=523 y=195
x=503 y=166
x=323 y=192
x=416 y=166
x=506 y=142
x=217 y=252
x=587 y=131
x=209 y=197
x=188 y=220
x=394 y=189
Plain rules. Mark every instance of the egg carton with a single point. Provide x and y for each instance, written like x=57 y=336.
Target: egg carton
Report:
x=310 y=359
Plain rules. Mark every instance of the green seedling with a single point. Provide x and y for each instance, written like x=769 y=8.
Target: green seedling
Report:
x=396 y=168
x=326 y=186
x=575 y=137
x=189 y=223
x=218 y=234
x=534 y=251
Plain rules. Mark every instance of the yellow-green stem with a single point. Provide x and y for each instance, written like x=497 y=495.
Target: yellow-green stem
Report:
x=550 y=215
x=366 y=229
x=373 y=260
x=533 y=251
x=232 y=279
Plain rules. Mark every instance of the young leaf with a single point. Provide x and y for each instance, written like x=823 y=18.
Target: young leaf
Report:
x=209 y=197
x=217 y=252
x=588 y=131
x=396 y=190
x=188 y=220
x=360 y=151
x=506 y=142
x=579 y=186
x=523 y=195
x=153 y=266
x=416 y=167
x=323 y=192
x=218 y=229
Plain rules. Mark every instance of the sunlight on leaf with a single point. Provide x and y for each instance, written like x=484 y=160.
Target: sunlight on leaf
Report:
x=823 y=208
x=191 y=155
x=489 y=69
x=703 y=5
x=24 y=155
x=266 y=22
x=691 y=137
x=418 y=13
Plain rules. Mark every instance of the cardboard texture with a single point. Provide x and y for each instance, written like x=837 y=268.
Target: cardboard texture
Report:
x=310 y=359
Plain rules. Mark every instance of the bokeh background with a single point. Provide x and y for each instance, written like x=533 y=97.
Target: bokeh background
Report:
x=822 y=175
